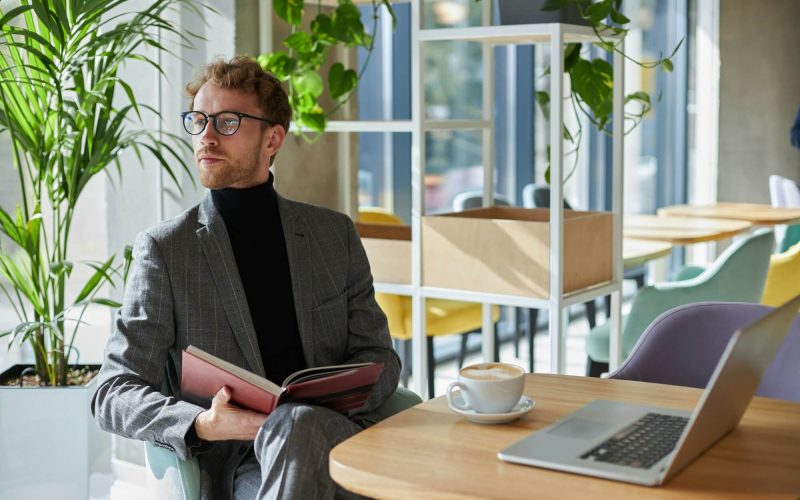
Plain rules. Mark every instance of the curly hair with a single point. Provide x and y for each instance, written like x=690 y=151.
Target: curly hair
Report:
x=244 y=73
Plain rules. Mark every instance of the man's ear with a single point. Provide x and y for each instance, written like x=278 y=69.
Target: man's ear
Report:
x=275 y=138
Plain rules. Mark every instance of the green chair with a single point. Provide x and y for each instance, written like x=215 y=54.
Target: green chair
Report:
x=738 y=275
x=169 y=477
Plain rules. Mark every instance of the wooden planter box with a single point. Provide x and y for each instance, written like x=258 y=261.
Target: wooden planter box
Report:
x=388 y=249
x=506 y=250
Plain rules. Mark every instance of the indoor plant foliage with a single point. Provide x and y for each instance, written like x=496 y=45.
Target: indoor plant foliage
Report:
x=308 y=50
x=592 y=79
x=59 y=65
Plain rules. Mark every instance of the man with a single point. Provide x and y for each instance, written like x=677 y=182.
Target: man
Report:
x=268 y=284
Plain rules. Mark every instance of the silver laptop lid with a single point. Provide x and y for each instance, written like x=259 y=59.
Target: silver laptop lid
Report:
x=738 y=374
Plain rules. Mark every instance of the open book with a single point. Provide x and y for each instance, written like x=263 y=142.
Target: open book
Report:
x=340 y=387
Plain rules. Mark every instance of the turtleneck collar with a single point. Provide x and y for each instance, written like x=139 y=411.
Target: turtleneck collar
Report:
x=239 y=207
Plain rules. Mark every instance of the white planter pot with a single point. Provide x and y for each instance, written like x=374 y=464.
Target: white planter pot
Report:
x=50 y=444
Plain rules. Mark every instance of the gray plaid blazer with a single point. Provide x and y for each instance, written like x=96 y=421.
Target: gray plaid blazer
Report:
x=184 y=288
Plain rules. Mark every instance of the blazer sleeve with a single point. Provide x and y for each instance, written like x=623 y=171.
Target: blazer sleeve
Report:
x=368 y=330
x=127 y=400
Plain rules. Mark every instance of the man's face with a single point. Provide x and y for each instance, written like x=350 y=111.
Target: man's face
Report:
x=240 y=160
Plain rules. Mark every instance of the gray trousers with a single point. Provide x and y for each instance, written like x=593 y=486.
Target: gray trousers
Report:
x=290 y=458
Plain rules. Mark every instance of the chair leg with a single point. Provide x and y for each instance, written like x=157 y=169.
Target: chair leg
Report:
x=595 y=368
x=404 y=346
x=431 y=367
x=517 y=329
x=496 y=342
x=591 y=313
x=462 y=354
x=533 y=316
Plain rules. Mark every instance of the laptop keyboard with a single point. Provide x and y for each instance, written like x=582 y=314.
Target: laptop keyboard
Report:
x=641 y=444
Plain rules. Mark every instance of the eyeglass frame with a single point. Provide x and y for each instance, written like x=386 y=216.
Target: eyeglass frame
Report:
x=214 y=116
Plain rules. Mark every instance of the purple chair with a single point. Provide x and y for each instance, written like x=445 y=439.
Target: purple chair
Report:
x=683 y=346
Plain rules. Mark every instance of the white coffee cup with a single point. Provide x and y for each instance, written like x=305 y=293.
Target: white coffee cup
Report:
x=488 y=387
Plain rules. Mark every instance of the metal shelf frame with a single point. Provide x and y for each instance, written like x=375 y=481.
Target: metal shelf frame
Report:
x=556 y=35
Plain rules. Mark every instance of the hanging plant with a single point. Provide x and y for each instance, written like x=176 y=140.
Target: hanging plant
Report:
x=308 y=49
x=592 y=80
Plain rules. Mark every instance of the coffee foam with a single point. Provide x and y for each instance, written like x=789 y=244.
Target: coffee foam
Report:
x=491 y=372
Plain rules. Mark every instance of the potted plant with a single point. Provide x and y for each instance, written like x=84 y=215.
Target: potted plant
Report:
x=308 y=48
x=67 y=113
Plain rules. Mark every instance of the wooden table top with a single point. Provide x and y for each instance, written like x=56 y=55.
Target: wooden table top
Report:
x=755 y=213
x=430 y=452
x=681 y=230
x=636 y=252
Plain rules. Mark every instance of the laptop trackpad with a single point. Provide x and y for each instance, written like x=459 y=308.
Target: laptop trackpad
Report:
x=580 y=428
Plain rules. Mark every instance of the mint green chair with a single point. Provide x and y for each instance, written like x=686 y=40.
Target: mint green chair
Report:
x=738 y=275
x=171 y=478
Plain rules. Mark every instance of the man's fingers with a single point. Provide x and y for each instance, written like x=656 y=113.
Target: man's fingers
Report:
x=223 y=396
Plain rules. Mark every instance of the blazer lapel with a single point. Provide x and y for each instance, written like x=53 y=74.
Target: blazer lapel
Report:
x=298 y=247
x=216 y=245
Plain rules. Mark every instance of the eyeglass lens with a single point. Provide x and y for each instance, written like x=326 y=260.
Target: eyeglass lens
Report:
x=225 y=123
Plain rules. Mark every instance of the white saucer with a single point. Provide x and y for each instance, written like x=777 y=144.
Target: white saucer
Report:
x=524 y=405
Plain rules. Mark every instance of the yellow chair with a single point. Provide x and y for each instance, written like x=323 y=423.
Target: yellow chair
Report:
x=783 y=277
x=443 y=317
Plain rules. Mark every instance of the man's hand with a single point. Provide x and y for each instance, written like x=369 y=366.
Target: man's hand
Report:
x=225 y=421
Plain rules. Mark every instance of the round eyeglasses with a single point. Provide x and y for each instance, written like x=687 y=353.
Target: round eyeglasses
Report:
x=225 y=122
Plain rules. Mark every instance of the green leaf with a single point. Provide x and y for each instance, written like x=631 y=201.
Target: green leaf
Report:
x=63 y=268
x=572 y=54
x=100 y=275
x=543 y=100
x=314 y=121
x=347 y=24
x=290 y=11
x=341 y=81
x=322 y=29
x=127 y=256
x=618 y=17
x=106 y=302
x=299 y=41
x=309 y=83
x=279 y=63
x=666 y=65
x=593 y=84
x=599 y=11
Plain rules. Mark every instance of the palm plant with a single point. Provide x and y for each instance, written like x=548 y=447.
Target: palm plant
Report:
x=59 y=79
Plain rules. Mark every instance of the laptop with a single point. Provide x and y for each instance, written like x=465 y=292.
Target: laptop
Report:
x=646 y=444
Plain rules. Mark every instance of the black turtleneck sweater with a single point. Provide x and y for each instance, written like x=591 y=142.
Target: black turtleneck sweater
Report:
x=254 y=227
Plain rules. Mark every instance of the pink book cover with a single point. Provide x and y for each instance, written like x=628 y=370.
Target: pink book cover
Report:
x=340 y=387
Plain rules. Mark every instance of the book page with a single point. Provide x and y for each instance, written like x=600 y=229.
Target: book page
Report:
x=320 y=371
x=243 y=374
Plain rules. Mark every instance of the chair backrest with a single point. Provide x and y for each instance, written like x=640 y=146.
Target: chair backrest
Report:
x=474 y=199
x=783 y=277
x=683 y=345
x=784 y=192
x=378 y=215
x=538 y=196
x=738 y=275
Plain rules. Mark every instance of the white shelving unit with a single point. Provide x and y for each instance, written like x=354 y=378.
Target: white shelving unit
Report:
x=556 y=35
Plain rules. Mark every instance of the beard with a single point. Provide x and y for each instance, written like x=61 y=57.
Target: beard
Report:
x=238 y=169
